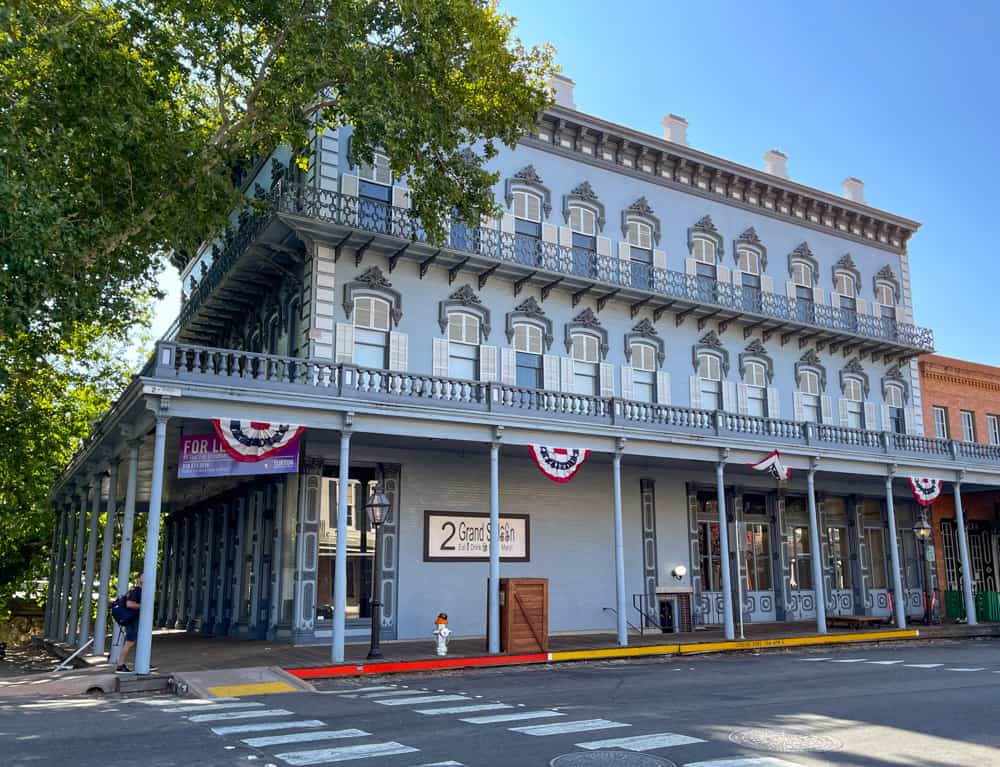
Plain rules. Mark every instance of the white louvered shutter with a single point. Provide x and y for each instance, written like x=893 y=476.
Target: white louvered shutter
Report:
x=723 y=274
x=507 y=223
x=800 y=412
x=737 y=278
x=818 y=296
x=729 y=403
x=399 y=351
x=908 y=418
x=565 y=236
x=549 y=233
x=566 y=374
x=843 y=411
x=871 y=416
x=345 y=343
x=607 y=380
x=742 y=399
x=349 y=185
x=826 y=409
x=627 y=392
x=863 y=306
x=508 y=366
x=766 y=284
x=690 y=266
x=604 y=246
x=694 y=387
x=624 y=251
x=790 y=289
x=439 y=363
x=835 y=300
x=886 y=420
x=487 y=363
x=400 y=197
x=660 y=259
x=663 y=388
x=773 y=402
x=550 y=372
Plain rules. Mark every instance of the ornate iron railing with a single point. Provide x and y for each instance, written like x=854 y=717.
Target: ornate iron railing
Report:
x=226 y=367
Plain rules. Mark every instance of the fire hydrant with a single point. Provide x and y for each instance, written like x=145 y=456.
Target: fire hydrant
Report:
x=442 y=632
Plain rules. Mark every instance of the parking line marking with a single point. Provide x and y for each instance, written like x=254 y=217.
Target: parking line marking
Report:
x=362 y=751
x=642 y=742
x=561 y=728
x=495 y=718
x=300 y=737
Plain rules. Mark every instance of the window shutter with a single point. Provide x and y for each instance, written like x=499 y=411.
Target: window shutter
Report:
x=550 y=372
x=607 y=380
x=694 y=384
x=399 y=351
x=729 y=396
x=349 y=185
x=818 y=296
x=773 y=402
x=663 y=388
x=624 y=251
x=627 y=392
x=742 y=399
x=886 y=422
x=835 y=300
x=508 y=366
x=507 y=223
x=566 y=374
x=723 y=274
x=737 y=278
x=604 y=246
x=487 y=363
x=766 y=284
x=908 y=418
x=826 y=409
x=690 y=266
x=565 y=236
x=439 y=365
x=660 y=259
x=871 y=416
x=549 y=233
x=345 y=343
x=843 y=411
x=400 y=197
x=863 y=306
x=790 y=289
x=800 y=413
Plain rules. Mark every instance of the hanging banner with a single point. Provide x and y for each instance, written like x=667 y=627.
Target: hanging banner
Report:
x=205 y=455
x=253 y=441
x=925 y=489
x=558 y=463
x=773 y=464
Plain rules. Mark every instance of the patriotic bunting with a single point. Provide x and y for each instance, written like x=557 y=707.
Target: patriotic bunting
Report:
x=773 y=465
x=252 y=441
x=558 y=463
x=925 y=489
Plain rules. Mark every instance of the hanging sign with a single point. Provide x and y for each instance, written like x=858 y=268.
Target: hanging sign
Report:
x=558 y=463
x=925 y=489
x=772 y=463
x=208 y=455
x=465 y=537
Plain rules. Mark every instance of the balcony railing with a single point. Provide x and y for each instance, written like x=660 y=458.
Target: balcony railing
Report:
x=178 y=362
x=377 y=217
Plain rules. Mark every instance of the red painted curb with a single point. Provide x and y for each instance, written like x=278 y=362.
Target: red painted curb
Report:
x=394 y=667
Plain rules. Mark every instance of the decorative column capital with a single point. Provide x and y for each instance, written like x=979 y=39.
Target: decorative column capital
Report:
x=620 y=445
x=723 y=455
x=348 y=425
x=813 y=463
x=497 y=435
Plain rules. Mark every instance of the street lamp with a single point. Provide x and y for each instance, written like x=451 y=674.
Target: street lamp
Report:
x=378 y=511
x=922 y=530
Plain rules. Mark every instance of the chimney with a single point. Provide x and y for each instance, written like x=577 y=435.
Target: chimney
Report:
x=776 y=163
x=562 y=89
x=854 y=189
x=675 y=129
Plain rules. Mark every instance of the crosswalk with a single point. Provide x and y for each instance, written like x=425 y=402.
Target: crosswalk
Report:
x=896 y=662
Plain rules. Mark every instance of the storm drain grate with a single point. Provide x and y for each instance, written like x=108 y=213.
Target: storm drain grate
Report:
x=783 y=741
x=612 y=758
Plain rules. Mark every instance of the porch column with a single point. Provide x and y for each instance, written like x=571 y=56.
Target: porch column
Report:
x=77 y=575
x=196 y=569
x=255 y=534
x=206 y=593
x=51 y=596
x=277 y=558
x=87 y=600
x=239 y=566
x=220 y=584
x=616 y=490
x=180 y=620
x=340 y=562
x=963 y=551
x=727 y=580
x=67 y=569
x=128 y=531
x=163 y=600
x=816 y=550
x=898 y=601
x=144 y=645
x=101 y=626
x=307 y=549
x=493 y=620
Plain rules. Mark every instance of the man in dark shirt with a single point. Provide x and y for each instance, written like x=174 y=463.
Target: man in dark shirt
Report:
x=133 y=601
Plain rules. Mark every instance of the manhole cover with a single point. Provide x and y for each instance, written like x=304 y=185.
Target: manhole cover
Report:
x=785 y=741
x=613 y=758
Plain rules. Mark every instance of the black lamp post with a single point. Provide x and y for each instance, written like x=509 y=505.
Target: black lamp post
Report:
x=378 y=510
x=922 y=530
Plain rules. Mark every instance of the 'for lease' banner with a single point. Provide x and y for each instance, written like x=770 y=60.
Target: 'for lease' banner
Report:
x=204 y=455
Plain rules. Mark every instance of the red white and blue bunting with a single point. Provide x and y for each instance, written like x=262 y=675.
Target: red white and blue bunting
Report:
x=252 y=441
x=558 y=463
x=774 y=466
x=925 y=489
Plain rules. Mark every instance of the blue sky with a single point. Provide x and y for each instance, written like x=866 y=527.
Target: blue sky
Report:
x=900 y=94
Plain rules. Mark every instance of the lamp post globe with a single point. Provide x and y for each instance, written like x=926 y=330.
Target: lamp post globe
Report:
x=378 y=509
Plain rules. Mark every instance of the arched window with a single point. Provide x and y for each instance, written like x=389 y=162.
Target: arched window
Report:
x=748 y=261
x=273 y=333
x=710 y=380
x=586 y=364
x=375 y=194
x=583 y=223
x=854 y=399
x=885 y=296
x=803 y=279
x=640 y=240
x=371 y=332
x=846 y=288
x=809 y=394
x=528 y=354
x=643 y=358
x=894 y=401
x=704 y=252
x=463 y=346
x=582 y=220
x=527 y=208
x=755 y=383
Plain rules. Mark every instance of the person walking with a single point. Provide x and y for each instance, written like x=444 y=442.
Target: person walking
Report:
x=127 y=615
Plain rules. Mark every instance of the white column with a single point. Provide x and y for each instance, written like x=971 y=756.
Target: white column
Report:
x=963 y=551
x=55 y=556
x=620 y=601
x=87 y=600
x=144 y=645
x=493 y=624
x=101 y=626
x=340 y=562
x=816 y=551
x=727 y=579
x=77 y=574
x=128 y=531
x=64 y=595
x=220 y=585
x=206 y=607
x=899 y=604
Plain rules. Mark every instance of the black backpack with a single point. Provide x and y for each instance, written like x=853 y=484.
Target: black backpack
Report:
x=122 y=614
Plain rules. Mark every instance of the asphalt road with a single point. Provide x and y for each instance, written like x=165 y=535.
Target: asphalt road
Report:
x=926 y=705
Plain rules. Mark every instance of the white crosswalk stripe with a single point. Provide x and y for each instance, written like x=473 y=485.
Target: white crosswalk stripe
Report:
x=463 y=709
x=353 y=692
x=850 y=660
x=982 y=668
x=344 y=754
x=883 y=662
x=216 y=707
x=303 y=737
x=923 y=665
x=749 y=761
x=390 y=694
x=237 y=729
x=223 y=716
x=641 y=742
x=442 y=764
x=562 y=728
x=420 y=700
x=814 y=660
x=497 y=718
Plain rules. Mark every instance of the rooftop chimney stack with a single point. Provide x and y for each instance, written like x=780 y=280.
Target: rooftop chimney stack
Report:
x=562 y=88
x=776 y=163
x=675 y=129
x=854 y=189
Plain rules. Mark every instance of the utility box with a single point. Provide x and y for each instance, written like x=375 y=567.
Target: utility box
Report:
x=524 y=615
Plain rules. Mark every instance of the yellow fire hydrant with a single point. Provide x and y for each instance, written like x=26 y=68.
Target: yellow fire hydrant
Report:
x=442 y=632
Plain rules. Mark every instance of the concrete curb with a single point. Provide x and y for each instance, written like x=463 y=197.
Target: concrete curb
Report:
x=694 y=648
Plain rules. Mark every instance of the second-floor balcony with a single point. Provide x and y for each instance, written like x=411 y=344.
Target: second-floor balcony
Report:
x=369 y=226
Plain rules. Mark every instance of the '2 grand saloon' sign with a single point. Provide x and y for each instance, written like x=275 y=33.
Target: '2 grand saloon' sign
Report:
x=456 y=537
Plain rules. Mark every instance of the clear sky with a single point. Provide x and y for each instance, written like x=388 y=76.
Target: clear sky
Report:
x=903 y=95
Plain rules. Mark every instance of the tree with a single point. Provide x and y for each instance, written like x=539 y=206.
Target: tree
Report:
x=121 y=124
